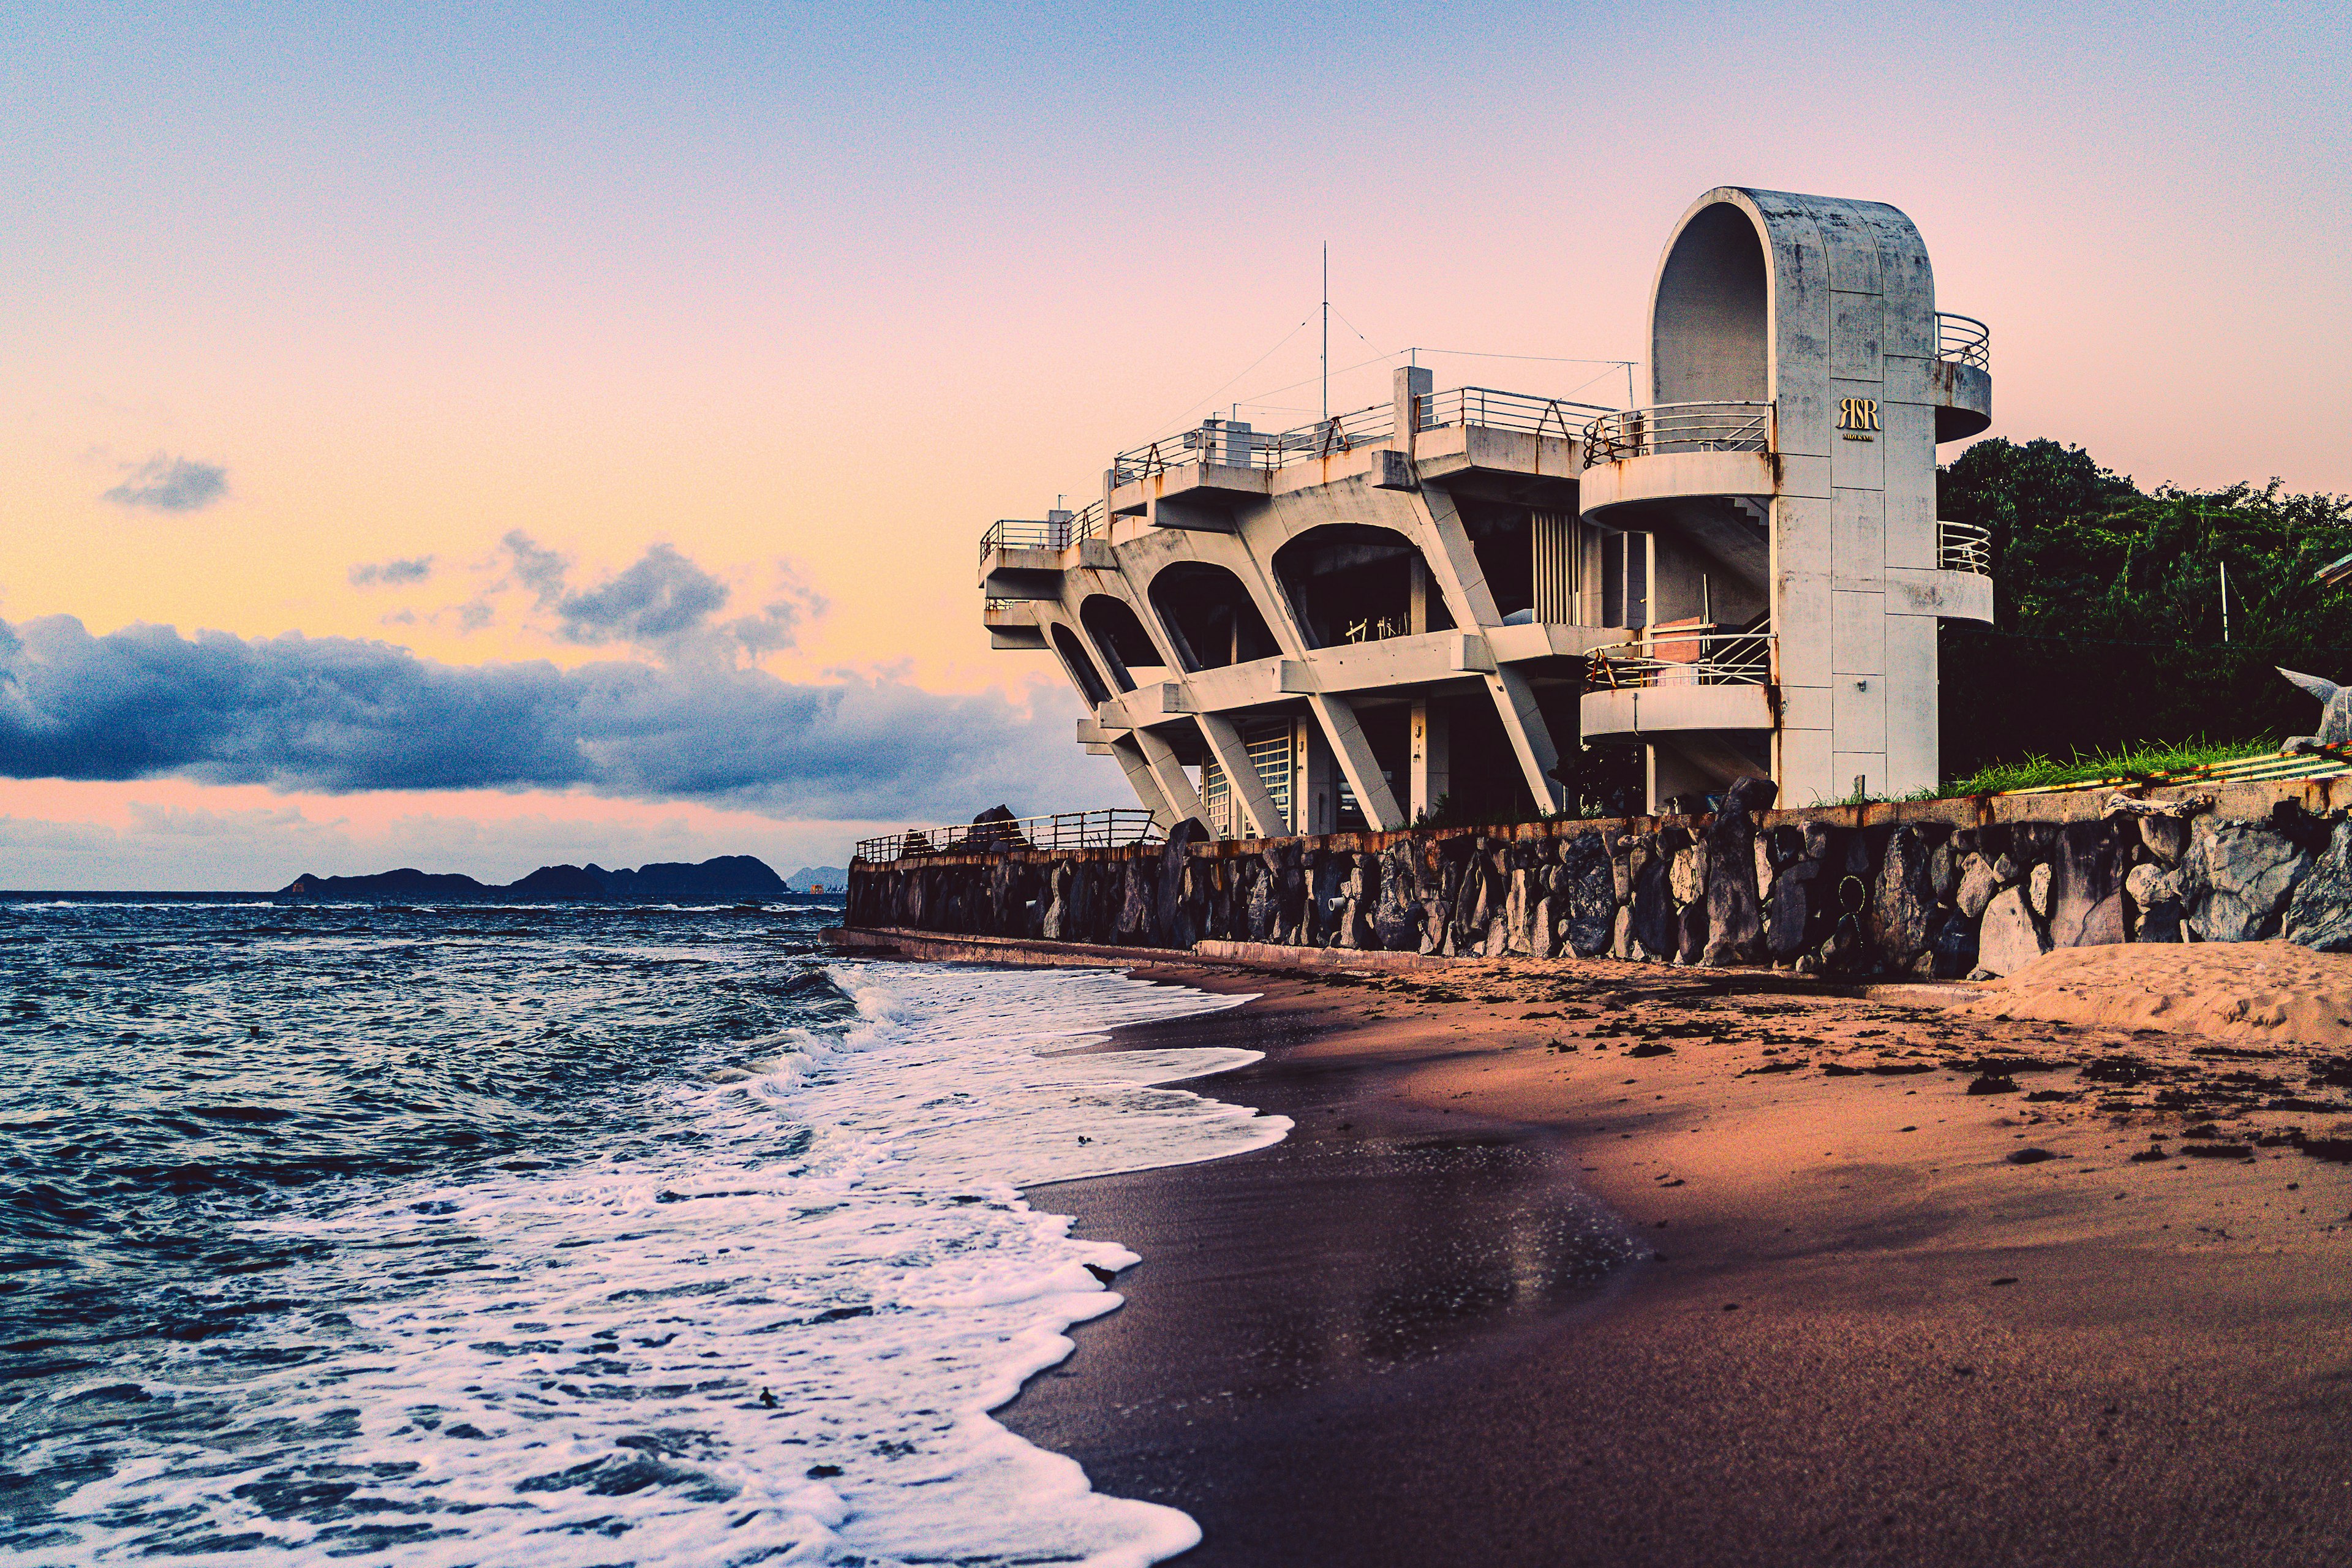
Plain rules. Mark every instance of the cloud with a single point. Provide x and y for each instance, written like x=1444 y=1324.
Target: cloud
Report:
x=390 y=572
x=661 y=599
x=336 y=715
x=170 y=484
x=541 y=571
x=664 y=603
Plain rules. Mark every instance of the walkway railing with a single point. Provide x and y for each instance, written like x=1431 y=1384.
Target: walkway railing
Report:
x=1504 y=411
x=1053 y=533
x=1965 y=339
x=1062 y=830
x=1215 y=442
x=1373 y=425
x=1964 y=547
x=1678 y=427
x=1682 y=658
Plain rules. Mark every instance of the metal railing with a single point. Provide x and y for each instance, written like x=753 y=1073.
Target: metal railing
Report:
x=1055 y=533
x=1341 y=433
x=1695 y=658
x=1965 y=339
x=1504 y=411
x=1678 y=427
x=1063 y=830
x=1202 y=444
x=1964 y=547
x=1215 y=441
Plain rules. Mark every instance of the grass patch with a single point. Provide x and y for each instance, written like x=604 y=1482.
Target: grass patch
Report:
x=2127 y=762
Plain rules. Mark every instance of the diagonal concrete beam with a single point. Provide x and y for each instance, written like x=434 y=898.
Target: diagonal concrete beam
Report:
x=1175 y=784
x=1335 y=716
x=1222 y=737
x=1453 y=564
x=1226 y=744
x=1140 y=779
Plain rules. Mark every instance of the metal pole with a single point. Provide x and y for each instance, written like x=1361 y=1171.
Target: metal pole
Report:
x=1327 y=331
x=2225 y=600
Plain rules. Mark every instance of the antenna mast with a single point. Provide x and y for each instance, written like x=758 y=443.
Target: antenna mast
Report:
x=1327 y=332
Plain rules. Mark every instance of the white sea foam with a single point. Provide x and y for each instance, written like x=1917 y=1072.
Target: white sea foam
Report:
x=575 y=1368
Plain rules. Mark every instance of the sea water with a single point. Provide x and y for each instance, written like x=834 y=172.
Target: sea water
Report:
x=552 y=1235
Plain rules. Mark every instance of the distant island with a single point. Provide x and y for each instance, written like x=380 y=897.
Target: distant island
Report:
x=724 y=878
x=818 y=879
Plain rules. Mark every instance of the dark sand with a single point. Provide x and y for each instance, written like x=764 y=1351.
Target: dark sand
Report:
x=1390 y=1340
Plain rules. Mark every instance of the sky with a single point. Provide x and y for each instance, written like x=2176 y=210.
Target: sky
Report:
x=475 y=437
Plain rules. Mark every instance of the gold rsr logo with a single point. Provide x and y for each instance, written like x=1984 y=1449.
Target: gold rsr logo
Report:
x=1858 y=414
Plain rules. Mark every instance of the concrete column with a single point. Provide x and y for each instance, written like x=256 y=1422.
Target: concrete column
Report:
x=1224 y=737
x=1431 y=770
x=1408 y=386
x=1175 y=786
x=1140 y=779
x=1455 y=565
x=1314 y=781
x=1417 y=598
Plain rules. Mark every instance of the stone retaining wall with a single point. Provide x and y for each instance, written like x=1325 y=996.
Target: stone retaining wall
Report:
x=1936 y=888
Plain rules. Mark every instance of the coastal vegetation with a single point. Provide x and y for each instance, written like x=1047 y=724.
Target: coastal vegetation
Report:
x=2135 y=763
x=2111 y=645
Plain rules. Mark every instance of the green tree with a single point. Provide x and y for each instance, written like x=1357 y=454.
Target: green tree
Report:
x=2107 y=629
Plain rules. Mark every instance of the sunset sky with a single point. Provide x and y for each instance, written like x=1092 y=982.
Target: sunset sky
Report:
x=475 y=437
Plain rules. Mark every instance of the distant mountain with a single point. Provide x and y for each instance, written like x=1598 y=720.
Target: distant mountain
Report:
x=726 y=878
x=818 y=878
x=407 y=883
x=667 y=882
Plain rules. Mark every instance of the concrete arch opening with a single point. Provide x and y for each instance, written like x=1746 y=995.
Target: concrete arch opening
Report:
x=1210 y=617
x=1080 y=666
x=1119 y=636
x=1350 y=583
x=1710 y=321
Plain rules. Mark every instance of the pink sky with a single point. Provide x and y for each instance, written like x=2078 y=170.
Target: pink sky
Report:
x=811 y=304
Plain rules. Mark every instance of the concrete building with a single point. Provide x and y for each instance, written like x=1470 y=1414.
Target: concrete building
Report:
x=1440 y=595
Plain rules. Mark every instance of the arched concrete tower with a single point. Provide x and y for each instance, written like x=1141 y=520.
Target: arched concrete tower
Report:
x=1784 y=480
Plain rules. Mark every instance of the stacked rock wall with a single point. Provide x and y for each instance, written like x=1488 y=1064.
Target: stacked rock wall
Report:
x=1935 y=890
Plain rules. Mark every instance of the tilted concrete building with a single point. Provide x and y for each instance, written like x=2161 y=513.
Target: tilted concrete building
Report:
x=1440 y=595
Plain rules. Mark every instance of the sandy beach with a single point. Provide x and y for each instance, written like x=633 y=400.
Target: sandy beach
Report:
x=1614 y=1264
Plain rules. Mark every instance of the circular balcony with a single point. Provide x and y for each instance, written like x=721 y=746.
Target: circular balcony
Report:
x=1964 y=547
x=1678 y=449
x=1959 y=383
x=1680 y=678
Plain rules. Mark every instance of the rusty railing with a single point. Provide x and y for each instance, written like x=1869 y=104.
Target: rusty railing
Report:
x=1668 y=427
x=1062 y=830
x=1695 y=657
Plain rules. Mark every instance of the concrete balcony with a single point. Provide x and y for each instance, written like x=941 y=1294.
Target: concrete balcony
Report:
x=1959 y=382
x=1680 y=680
x=1961 y=587
x=1021 y=559
x=1680 y=450
x=1013 y=623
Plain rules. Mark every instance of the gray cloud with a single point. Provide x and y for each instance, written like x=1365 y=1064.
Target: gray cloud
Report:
x=541 y=571
x=662 y=603
x=656 y=602
x=171 y=484
x=336 y=715
x=369 y=574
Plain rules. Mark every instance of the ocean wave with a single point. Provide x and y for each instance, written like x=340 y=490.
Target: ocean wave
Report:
x=767 y=1323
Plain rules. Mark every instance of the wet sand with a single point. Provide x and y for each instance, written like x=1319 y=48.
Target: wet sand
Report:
x=1823 y=1317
